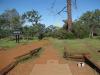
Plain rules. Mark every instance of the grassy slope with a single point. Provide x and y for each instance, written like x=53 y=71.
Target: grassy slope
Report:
x=79 y=46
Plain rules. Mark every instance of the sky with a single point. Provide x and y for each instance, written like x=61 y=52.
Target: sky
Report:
x=49 y=8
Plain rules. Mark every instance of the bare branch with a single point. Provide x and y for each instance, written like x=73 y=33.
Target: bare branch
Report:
x=61 y=10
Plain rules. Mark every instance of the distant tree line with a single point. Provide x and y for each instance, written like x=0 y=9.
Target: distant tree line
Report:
x=88 y=25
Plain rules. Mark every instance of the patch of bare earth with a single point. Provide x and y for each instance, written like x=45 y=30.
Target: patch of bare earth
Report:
x=8 y=56
x=52 y=67
x=86 y=70
x=25 y=68
x=40 y=64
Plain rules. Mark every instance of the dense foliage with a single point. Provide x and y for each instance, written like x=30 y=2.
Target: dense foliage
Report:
x=88 y=25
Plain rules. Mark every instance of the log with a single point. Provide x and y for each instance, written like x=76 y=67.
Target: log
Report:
x=92 y=64
x=8 y=68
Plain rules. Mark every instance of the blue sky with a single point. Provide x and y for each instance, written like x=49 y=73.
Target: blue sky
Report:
x=49 y=15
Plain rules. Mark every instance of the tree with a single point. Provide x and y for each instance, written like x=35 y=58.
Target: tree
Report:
x=13 y=18
x=50 y=31
x=79 y=30
x=27 y=32
x=87 y=25
x=38 y=29
x=9 y=21
x=68 y=23
x=92 y=21
x=32 y=16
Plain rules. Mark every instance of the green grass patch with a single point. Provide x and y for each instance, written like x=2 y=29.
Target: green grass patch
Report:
x=79 y=46
x=7 y=43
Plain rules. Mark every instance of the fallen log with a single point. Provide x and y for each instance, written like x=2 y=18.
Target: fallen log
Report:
x=8 y=68
x=92 y=64
x=29 y=53
x=35 y=51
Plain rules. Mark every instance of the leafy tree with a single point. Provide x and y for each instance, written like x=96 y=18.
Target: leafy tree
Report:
x=27 y=32
x=34 y=31
x=92 y=20
x=80 y=30
x=13 y=18
x=39 y=30
x=50 y=30
x=9 y=20
x=31 y=16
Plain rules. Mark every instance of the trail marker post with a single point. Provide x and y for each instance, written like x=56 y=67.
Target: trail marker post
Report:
x=17 y=35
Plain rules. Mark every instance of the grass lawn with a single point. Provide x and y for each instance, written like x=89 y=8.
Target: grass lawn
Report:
x=79 y=46
x=6 y=43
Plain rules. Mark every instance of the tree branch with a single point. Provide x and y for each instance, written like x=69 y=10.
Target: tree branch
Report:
x=61 y=10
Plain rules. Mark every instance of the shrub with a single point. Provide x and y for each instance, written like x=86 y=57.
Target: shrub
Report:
x=63 y=34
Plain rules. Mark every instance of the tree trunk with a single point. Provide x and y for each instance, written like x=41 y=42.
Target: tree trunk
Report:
x=69 y=14
x=91 y=32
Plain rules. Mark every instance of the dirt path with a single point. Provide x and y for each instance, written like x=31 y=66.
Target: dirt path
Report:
x=52 y=67
x=48 y=54
x=8 y=56
x=40 y=64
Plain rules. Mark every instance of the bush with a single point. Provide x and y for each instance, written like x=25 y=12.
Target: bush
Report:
x=97 y=37
x=70 y=35
x=63 y=34
x=80 y=31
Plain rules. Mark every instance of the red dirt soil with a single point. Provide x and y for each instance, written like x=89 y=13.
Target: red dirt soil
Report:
x=49 y=53
x=8 y=56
